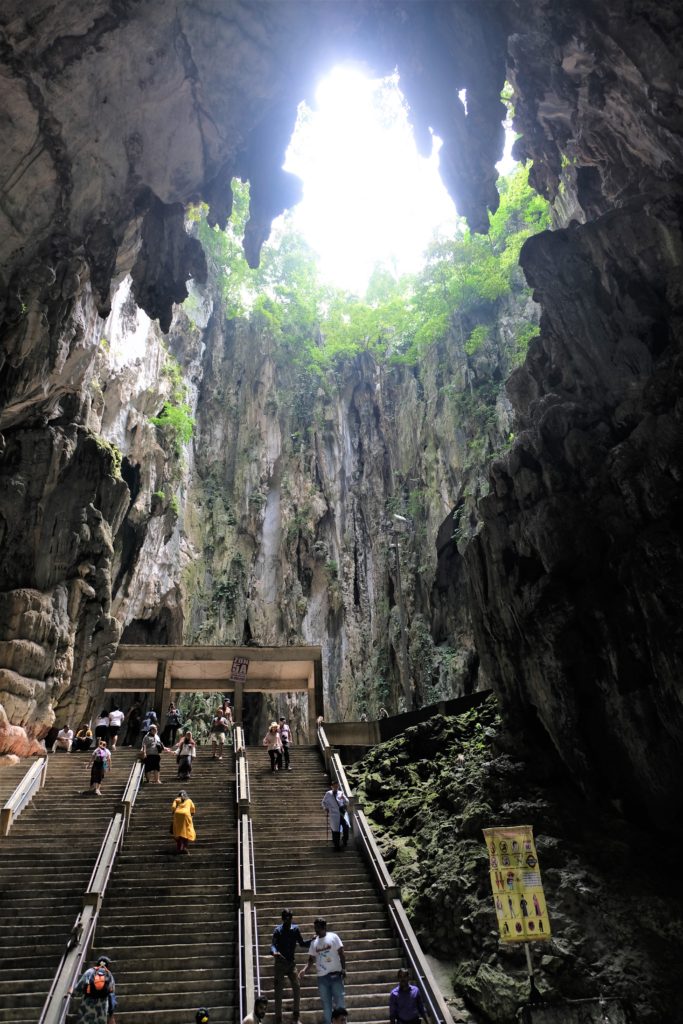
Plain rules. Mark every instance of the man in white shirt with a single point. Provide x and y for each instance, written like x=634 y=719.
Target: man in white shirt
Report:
x=331 y=803
x=64 y=739
x=327 y=953
x=116 y=717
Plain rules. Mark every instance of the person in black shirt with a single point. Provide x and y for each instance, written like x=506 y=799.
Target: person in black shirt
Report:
x=286 y=938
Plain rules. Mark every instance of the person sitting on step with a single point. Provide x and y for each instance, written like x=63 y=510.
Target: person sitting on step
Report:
x=82 y=740
x=64 y=739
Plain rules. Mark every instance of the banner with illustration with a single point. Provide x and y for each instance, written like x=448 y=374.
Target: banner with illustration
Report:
x=516 y=883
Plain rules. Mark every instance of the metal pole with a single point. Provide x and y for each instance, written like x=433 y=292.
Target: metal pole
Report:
x=534 y=994
x=405 y=680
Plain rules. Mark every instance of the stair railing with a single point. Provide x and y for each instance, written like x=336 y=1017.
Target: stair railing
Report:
x=131 y=791
x=248 y=970
x=390 y=892
x=325 y=747
x=32 y=782
x=70 y=967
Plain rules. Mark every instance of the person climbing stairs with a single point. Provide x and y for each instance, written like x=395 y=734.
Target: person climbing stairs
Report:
x=169 y=922
x=298 y=868
x=45 y=865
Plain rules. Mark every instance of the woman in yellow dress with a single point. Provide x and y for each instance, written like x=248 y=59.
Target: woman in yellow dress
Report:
x=182 y=826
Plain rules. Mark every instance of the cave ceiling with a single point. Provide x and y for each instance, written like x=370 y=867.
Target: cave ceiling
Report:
x=115 y=116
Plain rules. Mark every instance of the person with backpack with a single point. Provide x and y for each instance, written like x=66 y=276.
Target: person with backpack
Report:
x=149 y=720
x=100 y=762
x=97 y=990
x=173 y=723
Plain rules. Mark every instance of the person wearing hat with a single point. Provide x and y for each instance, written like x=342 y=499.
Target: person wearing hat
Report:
x=286 y=739
x=97 y=990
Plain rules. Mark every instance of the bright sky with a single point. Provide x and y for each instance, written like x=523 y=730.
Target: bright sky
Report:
x=368 y=196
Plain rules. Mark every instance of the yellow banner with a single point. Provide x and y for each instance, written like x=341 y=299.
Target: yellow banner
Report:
x=518 y=895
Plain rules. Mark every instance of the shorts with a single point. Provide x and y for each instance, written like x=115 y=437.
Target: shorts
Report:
x=114 y=730
x=218 y=737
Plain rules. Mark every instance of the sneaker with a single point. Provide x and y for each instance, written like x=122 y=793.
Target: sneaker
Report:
x=298 y=1021
x=220 y=758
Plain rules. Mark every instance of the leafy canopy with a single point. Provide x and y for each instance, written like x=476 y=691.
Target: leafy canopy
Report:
x=319 y=327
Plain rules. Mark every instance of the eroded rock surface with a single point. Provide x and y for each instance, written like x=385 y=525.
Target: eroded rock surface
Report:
x=116 y=117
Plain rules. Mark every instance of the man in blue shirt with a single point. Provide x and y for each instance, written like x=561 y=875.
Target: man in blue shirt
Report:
x=286 y=938
x=405 y=1001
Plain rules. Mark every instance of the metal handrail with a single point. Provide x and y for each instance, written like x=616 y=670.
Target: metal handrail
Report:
x=111 y=844
x=390 y=891
x=130 y=793
x=436 y=1004
x=33 y=780
x=377 y=862
x=240 y=962
x=339 y=775
x=324 y=744
x=56 y=1006
x=257 y=966
x=247 y=930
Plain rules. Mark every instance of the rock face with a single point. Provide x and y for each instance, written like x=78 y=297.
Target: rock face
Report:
x=431 y=791
x=577 y=572
x=115 y=118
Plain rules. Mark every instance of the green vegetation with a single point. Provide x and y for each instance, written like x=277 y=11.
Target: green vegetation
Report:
x=111 y=452
x=319 y=328
x=175 y=420
x=317 y=331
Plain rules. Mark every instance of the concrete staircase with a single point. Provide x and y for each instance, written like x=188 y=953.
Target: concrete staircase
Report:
x=169 y=922
x=297 y=867
x=45 y=864
x=10 y=777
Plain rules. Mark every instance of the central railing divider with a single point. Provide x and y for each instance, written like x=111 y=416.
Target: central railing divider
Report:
x=247 y=946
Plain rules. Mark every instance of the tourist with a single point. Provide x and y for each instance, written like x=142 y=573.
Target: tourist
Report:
x=116 y=717
x=286 y=938
x=100 y=762
x=64 y=740
x=258 y=1013
x=219 y=728
x=182 y=825
x=97 y=990
x=344 y=820
x=173 y=723
x=149 y=720
x=151 y=750
x=82 y=739
x=326 y=952
x=405 y=1001
x=133 y=720
x=186 y=751
x=229 y=718
x=330 y=803
x=273 y=744
x=102 y=726
x=286 y=739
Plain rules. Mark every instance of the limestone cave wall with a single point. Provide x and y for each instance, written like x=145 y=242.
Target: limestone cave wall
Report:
x=115 y=117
